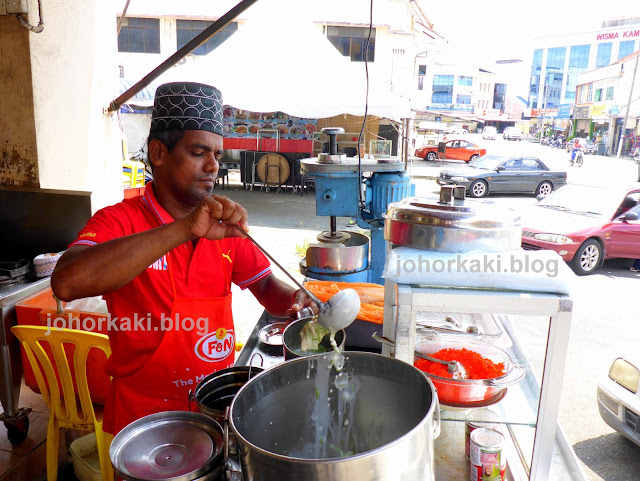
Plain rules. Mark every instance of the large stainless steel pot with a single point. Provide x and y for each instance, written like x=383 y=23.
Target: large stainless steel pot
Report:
x=170 y=446
x=292 y=421
x=452 y=224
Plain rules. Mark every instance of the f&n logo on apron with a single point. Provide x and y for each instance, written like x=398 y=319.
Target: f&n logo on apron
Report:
x=215 y=346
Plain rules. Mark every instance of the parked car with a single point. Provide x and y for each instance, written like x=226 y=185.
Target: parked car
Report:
x=586 y=225
x=495 y=173
x=512 y=133
x=587 y=145
x=456 y=131
x=489 y=133
x=619 y=397
x=457 y=149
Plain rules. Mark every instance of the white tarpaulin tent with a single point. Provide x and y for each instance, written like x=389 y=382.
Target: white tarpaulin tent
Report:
x=279 y=60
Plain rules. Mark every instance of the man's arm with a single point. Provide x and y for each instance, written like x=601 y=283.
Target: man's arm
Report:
x=279 y=298
x=85 y=271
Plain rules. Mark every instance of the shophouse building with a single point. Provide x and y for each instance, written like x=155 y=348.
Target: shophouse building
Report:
x=602 y=103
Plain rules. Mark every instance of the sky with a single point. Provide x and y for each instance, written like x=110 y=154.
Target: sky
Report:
x=494 y=29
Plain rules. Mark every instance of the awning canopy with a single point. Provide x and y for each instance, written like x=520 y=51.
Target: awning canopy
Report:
x=275 y=64
x=144 y=98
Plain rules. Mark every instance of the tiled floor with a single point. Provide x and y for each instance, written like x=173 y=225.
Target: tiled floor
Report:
x=26 y=461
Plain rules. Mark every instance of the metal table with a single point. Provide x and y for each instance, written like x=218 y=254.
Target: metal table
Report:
x=537 y=448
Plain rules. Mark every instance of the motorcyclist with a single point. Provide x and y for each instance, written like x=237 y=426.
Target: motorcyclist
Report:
x=577 y=146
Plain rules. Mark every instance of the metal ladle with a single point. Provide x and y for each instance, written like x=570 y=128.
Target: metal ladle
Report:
x=454 y=367
x=335 y=314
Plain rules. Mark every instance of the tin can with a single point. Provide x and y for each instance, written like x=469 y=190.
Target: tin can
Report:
x=478 y=418
x=487 y=459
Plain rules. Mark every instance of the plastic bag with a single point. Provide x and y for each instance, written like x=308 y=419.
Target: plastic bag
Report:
x=88 y=304
x=371 y=296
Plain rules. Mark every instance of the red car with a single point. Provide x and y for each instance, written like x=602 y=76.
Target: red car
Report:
x=454 y=150
x=586 y=225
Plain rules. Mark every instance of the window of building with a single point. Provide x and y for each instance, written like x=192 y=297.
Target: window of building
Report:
x=186 y=30
x=422 y=72
x=589 y=92
x=598 y=96
x=534 y=82
x=555 y=74
x=626 y=48
x=609 y=95
x=462 y=80
x=604 y=55
x=582 y=92
x=139 y=35
x=352 y=41
x=578 y=63
x=463 y=99
x=442 y=89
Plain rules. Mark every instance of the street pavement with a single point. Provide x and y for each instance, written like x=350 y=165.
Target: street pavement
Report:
x=605 y=321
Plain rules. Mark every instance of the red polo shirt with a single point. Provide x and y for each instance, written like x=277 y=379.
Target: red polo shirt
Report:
x=198 y=272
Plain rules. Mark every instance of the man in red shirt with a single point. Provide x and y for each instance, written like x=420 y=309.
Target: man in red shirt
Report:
x=164 y=263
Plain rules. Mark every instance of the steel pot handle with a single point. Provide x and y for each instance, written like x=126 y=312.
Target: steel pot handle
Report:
x=437 y=420
x=510 y=379
x=251 y=363
x=226 y=435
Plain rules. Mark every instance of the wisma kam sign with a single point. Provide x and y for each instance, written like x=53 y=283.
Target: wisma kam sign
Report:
x=615 y=35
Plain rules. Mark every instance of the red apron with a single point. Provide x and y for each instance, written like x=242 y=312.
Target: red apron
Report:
x=182 y=359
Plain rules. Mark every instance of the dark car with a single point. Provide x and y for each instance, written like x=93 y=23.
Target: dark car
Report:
x=586 y=225
x=495 y=173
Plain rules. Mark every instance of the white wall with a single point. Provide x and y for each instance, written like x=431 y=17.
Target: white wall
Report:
x=74 y=78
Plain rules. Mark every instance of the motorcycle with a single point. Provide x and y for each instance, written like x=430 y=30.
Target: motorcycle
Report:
x=577 y=158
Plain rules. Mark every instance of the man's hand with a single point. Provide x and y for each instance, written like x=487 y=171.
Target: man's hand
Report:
x=300 y=301
x=217 y=218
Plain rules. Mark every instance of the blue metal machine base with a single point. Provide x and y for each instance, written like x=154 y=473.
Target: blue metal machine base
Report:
x=337 y=194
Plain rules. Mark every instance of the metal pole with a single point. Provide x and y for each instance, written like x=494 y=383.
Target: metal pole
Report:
x=626 y=115
x=189 y=47
x=122 y=17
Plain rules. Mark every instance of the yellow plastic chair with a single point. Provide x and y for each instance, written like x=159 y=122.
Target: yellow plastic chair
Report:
x=68 y=409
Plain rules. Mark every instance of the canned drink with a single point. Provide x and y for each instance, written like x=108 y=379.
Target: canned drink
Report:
x=481 y=418
x=487 y=459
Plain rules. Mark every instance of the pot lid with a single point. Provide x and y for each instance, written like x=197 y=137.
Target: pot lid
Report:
x=452 y=210
x=173 y=445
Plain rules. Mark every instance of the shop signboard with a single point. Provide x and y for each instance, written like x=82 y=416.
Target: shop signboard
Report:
x=598 y=110
x=564 y=111
x=614 y=110
x=582 y=112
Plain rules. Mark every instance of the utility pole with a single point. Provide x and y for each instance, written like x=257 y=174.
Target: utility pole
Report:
x=626 y=115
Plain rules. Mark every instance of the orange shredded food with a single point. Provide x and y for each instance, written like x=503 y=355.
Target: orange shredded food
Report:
x=477 y=366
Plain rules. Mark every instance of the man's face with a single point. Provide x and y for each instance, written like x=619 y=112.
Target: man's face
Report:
x=189 y=171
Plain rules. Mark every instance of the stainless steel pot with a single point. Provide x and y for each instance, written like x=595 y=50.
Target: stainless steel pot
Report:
x=216 y=391
x=350 y=255
x=170 y=446
x=452 y=224
x=291 y=421
x=291 y=340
